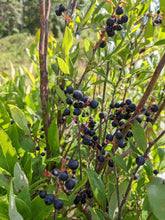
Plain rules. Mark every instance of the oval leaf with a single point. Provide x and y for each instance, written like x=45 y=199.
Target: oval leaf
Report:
x=67 y=40
x=139 y=135
x=97 y=187
x=53 y=137
x=63 y=66
x=20 y=118
x=13 y=213
x=8 y=154
x=156 y=196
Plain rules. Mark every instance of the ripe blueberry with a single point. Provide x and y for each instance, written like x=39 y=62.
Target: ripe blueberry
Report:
x=102 y=115
x=49 y=199
x=93 y=104
x=58 y=12
x=56 y=172
x=119 y=135
x=101 y=158
x=69 y=89
x=149 y=119
x=58 y=204
x=42 y=194
x=111 y=163
x=119 y=10
x=124 y=19
x=77 y=94
x=154 y=108
x=103 y=44
x=110 y=31
x=66 y=112
x=81 y=104
x=140 y=160
x=139 y=119
x=121 y=144
x=62 y=8
x=63 y=176
x=115 y=123
x=112 y=105
x=109 y=137
x=155 y=172
x=70 y=184
x=38 y=148
x=77 y=200
x=69 y=101
x=73 y=164
x=77 y=111
x=128 y=101
x=110 y=22
x=43 y=154
x=86 y=141
x=12 y=122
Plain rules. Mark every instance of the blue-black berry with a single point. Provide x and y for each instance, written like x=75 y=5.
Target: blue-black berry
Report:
x=56 y=172
x=73 y=164
x=77 y=94
x=42 y=194
x=93 y=104
x=49 y=199
x=58 y=204
x=63 y=176
x=70 y=184
x=140 y=160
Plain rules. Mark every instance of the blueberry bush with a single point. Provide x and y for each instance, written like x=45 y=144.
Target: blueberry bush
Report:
x=84 y=136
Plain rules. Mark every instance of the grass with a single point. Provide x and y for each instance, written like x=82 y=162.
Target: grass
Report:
x=13 y=50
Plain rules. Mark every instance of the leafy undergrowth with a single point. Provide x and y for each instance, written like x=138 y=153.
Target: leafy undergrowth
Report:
x=13 y=50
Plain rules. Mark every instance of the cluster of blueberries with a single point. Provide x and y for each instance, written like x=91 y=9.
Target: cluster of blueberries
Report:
x=114 y=23
x=60 y=10
x=158 y=19
x=121 y=112
x=63 y=178
x=78 y=100
x=81 y=197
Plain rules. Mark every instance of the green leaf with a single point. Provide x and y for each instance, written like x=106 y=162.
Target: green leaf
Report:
x=135 y=150
x=40 y=211
x=35 y=127
x=162 y=5
x=4 y=117
x=14 y=136
x=67 y=40
x=97 y=187
x=53 y=139
x=13 y=213
x=88 y=13
x=160 y=142
x=4 y=208
x=4 y=182
x=23 y=208
x=27 y=144
x=63 y=66
x=113 y=203
x=8 y=154
x=94 y=214
x=119 y=161
x=156 y=197
x=149 y=30
x=20 y=180
x=56 y=159
x=139 y=135
x=61 y=94
x=19 y=118
x=160 y=42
